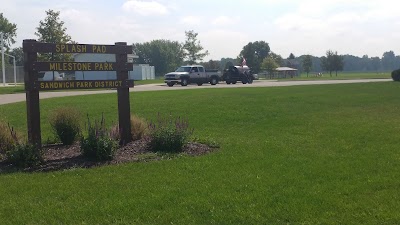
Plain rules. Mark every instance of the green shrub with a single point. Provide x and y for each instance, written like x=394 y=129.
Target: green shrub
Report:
x=98 y=145
x=168 y=135
x=139 y=127
x=396 y=75
x=25 y=155
x=65 y=124
x=8 y=137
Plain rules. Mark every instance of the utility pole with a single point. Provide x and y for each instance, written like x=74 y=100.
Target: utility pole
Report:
x=2 y=59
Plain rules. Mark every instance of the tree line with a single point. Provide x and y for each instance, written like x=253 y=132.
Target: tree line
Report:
x=167 y=55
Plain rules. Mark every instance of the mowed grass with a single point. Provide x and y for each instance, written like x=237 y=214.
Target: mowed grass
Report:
x=325 y=154
x=12 y=89
x=340 y=76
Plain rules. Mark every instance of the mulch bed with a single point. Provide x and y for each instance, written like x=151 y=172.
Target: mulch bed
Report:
x=61 y=157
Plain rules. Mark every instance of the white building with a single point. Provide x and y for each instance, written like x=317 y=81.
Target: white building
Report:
x=138 y=72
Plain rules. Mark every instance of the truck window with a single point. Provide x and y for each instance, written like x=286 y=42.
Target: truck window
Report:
x=183 y=69
x=201 y=69
x=195 y=69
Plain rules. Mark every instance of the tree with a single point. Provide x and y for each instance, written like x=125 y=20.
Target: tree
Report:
x=255 y=53
x=327 y=62
x=337 y=62
x=9 y=31
x=211 y=64
x=192 y=48
x=307 y=64
x=277 y=58
x=225 y=63
x=269 y=64
x=291 y=56
x=19 y=56
x=52 y=30
x=389 y=61
x=164 y=55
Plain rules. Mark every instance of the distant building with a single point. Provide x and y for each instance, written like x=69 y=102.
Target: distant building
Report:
x=138 y=72
x=283 y=72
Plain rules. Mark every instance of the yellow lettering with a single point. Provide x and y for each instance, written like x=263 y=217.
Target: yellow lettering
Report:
x=105 y=66
x=73 y=50
x=41 y=85
x=62 y=48
x=52 y=66
x=84 y=48
x=47 y=86
x=104 y=49
x=57 y=48
x=86 y=84
x=110 y=66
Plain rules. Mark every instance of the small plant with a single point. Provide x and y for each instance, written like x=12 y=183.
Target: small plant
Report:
x=396 y=75
x=65 y=124
x=25 y=155
x=169 y=135
x=8 y=137
x=139 y=127
x=98 y=145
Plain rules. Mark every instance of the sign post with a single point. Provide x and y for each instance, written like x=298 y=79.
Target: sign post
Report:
x=123 y=99
x=33 y=85
x=32 y=97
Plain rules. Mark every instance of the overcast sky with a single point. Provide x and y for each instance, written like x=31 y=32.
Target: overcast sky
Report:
x=356 y=27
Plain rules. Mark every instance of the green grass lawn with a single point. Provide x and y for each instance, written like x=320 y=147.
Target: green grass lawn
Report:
x=340 y=75
x=325 y=154
x=12 y=89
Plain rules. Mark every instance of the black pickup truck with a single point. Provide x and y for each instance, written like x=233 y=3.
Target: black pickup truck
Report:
x=238 y=73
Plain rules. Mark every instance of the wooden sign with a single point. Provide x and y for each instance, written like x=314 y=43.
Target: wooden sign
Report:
x=76 y=48
x=79 y=66
x=33 y=86
x=81 y=84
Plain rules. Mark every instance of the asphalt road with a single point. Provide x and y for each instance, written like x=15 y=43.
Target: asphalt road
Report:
x=11 y=98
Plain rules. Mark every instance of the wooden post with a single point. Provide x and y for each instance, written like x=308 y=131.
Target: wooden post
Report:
x=124 y=108
x=32 y=95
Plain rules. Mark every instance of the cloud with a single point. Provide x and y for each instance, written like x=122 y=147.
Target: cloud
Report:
x=191 y=20
x=223 y=21
x=233 y=42
x=145 y=8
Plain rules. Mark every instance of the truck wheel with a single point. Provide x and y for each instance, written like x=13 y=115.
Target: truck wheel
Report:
x=184 y=82
x=213 y=81
x=170 y=84
x=250 y=80
x=244 y=81
x=199 y=84
x=234 y=82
